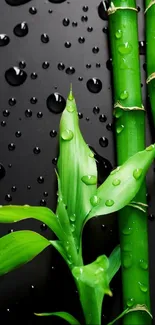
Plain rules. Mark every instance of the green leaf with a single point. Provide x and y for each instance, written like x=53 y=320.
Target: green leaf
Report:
x=129 y=310
x=122 y=184
x=18 y=248
x=15 y=213
x=114 y=262
x=93 y=281
x=68 y=317
x=76 y=167
x=59 y=247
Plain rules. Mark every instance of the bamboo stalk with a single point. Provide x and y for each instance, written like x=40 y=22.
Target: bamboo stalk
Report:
x=150 y=51
x=130 y=138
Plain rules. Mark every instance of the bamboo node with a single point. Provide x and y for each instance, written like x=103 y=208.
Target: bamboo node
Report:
x=128 y=108
x=112 y=9
x=152 y=2
x=151 y=77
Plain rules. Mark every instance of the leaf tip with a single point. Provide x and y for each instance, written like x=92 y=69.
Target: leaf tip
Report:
x=70 y=96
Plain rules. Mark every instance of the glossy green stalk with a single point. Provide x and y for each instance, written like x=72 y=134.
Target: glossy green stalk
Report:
x=130 y=138
x=150 y=52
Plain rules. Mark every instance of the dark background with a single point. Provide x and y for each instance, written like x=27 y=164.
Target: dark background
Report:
x=45 y=284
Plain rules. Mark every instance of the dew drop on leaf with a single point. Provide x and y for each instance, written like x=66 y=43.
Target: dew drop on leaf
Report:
x=89 y=179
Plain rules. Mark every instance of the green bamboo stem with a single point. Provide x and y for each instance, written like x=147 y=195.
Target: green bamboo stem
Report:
x=130 y=138
x=150 y=54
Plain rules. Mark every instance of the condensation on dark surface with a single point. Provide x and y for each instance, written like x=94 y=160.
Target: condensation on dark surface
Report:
x=45 y=45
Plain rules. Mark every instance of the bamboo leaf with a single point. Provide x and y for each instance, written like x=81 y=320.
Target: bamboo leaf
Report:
x=114 y=262
x=59 y=247
x=76 y=167
x=122 y=184
x=15 y=213
x=129 y=310
x=62 y=314
x=18 y=248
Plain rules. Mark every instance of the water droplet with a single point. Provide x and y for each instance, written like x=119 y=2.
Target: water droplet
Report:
x=95 y=49
x=109 y=126
x=95 y=200
x=61 y=66
x=33 y=100
x=130 y=302
x=67 y=44
x=143 y=287
x=109 y=203
x=11 y=146
x=138 y=8
x=98 y=65
x=96 y=110
x=137 y=173
x=39 y=114
x=85 y=8
x=43 y=227
x=88 y=65
x=125 y=48
x=28 y=113
x=67 y=135
x=115 y=170
x=89 y=179
x=15 y=77
x=28 y=187
x=6 y=113
x=150 y=148
x=56 y=103
x=21 y=29
x=22 y=64
x=32 y=10
x=80 y=115
x=56 y=1
x=118 y=34
x=124 y=95
x=81 y=39
x=3 y=123
x=102 y=10
x=70 y=108
x=91 y=154
x=89 y=29
x=34 y=75
x=94 y=85
x=84 y=19
x=16 y=2
x=73 y=217
x=102 y=118
x=54 y=161
x=143 y=264
x=119 y=129
x=74 y=24
x=9 y=165
x=43 y=202
x=13 y=188
x=9 y=232
x=118 y=112
x=2 y=171
x=53 y=133
x=127 y=260
x=45 y=38
x=36 y=150
x=12 y=101
x=4 y=40
x=127 y=231
x=45 y=65
x=18 y=134
x=105 y=30
x=109 y=64
x=103 y=141
x=72 y=226
x=103 y=227
x=40 y=179
x=70 y=70
x=66 y=22
x=142 y=47
x=8 y=197
x=116 y=182
x=151 y=217
x=80 y=78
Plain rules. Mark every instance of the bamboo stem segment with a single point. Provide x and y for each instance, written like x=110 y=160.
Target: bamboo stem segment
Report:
x=130 y=138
